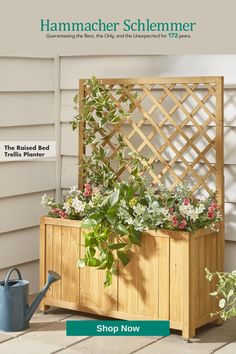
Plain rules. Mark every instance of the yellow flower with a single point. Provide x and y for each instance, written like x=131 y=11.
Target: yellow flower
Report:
x=70 y=200
x=133 y=202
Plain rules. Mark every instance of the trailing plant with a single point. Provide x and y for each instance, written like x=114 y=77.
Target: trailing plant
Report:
x=100 y=111
x=225 y=292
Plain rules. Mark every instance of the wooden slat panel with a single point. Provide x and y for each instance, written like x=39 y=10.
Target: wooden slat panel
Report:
x=176 y=278
x=135 y=289
x=29 y=108
x=70 y=257
x=26 y=74
x=164 y=278
x=57 y=260
x=48 y=256
x=92 y=292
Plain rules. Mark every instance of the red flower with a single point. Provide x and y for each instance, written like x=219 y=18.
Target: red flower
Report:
x=183 y=224
x=175 y=221
x=210 y=214
x=186 y=201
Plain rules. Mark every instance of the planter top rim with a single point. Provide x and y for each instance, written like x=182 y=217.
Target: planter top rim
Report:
x=160 y=232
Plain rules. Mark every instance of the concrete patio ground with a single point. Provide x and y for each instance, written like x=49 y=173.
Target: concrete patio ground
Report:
x=47 y=335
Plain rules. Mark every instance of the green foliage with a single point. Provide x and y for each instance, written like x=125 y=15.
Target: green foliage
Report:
x=99 y=113
x=115 y=213
x=225 y=292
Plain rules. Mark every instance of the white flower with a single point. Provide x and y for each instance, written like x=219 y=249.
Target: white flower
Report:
x=44 y=200
x=165 y=211
x=129 y=221
x=91 y=204
x=194 y=215
x=201 y=208
x=139 y=209
x=190 y=211
x=67 y=207
x=78 y=205
x=47 y=201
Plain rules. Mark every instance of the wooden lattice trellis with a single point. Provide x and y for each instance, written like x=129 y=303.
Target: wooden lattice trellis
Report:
x=176 y=123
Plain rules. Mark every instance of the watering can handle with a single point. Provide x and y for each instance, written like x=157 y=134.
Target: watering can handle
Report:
x=9 y=273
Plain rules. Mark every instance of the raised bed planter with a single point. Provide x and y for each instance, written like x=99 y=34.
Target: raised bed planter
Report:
x=164 y=280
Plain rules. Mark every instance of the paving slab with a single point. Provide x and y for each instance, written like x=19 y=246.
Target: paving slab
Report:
x=110 y=345
x=22 y=345
x=4 y=336
x=208 y=339
x=79 y=317
x=228 y=349
x=52 y=315
x=54 y=333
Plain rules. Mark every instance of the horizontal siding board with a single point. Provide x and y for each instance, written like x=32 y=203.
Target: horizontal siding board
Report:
x=26 y=108
x=67 y=107
x=31 y=177
x=69 y=140
x=69 y=171
x=21 y=212
x=28 y=133
x=22 y=74
x=29 y=271
x=230 y=221
x=19 y=247
x=230 y=259
x=74 y=68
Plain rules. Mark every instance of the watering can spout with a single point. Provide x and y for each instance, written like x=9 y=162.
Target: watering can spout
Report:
x=52 y=277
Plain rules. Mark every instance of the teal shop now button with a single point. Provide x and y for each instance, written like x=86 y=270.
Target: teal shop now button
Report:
x=117 y=328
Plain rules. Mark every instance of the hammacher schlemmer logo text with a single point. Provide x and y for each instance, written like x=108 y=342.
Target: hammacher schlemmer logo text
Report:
x=127 y=25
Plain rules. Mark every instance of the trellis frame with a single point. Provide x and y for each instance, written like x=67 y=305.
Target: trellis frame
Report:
x=214 y=85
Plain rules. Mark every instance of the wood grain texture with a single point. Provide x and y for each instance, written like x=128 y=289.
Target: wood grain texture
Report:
x=165 y=278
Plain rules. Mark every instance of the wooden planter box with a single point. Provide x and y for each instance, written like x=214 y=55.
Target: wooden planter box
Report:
x=164 y=280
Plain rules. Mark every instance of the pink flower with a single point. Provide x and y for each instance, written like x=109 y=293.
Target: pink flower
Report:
x=186 y=201
x=183 y=224
x=56 y=210
x=171 y=210
x=87 y=190
x=62 y=214
x=213 y=206
x=175 y=221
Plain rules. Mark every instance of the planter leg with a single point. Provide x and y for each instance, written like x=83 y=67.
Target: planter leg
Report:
x=218 y=322
x=44 y=309
x=188 y=333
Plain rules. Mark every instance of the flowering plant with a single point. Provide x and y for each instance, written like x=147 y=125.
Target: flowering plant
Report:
x=127 y=210
x=225 y=292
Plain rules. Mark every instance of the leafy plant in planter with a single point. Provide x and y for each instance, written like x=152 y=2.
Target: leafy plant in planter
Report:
x=117 y=212
x=225 y=292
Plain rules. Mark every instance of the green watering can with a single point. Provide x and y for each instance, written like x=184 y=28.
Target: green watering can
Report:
x=15 y=312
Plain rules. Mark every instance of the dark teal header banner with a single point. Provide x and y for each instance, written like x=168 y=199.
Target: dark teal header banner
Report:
x=117 y=328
